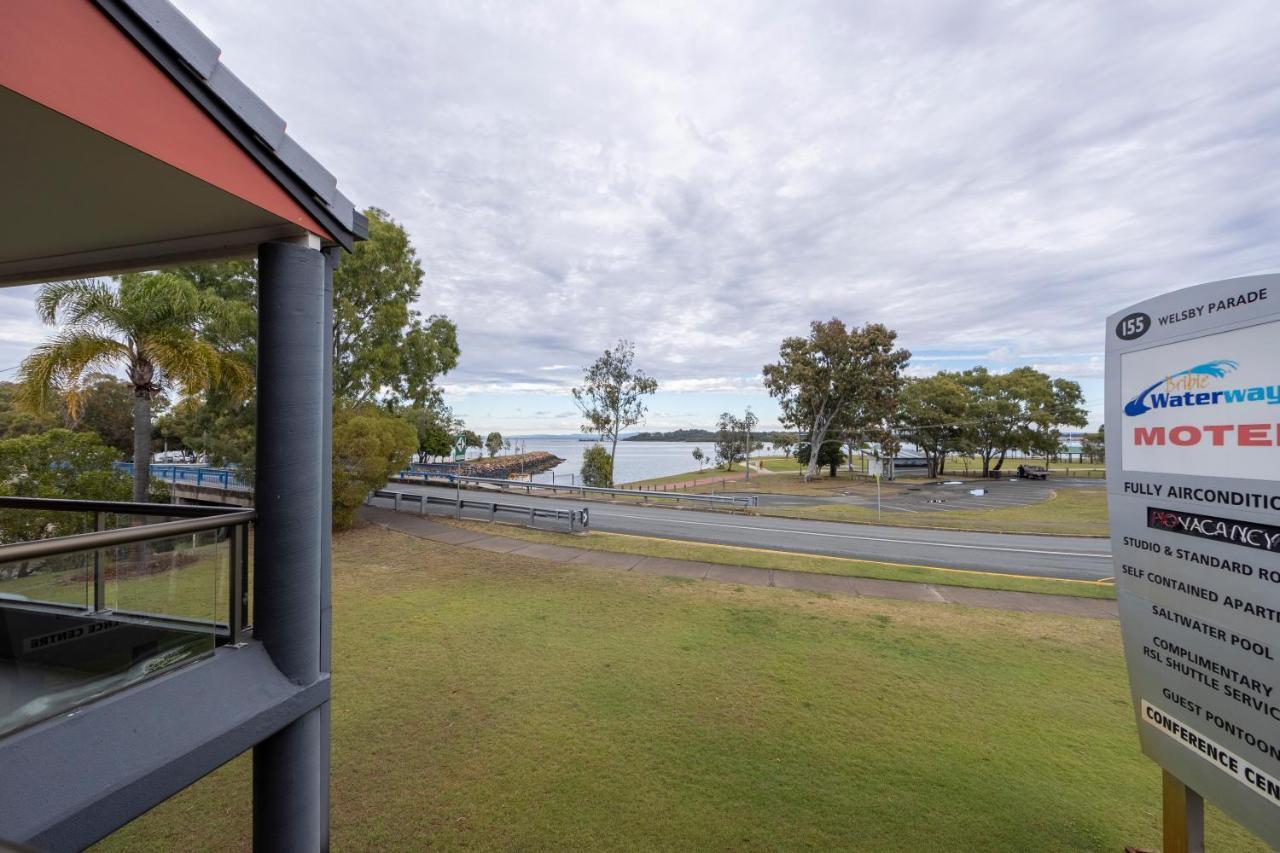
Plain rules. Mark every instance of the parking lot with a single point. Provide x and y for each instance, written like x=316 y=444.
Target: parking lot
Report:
x=946 y=496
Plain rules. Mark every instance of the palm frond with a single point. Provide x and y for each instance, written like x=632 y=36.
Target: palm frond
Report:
x=58 y=365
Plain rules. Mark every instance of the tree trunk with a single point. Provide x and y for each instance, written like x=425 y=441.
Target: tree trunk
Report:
x=141 y=448
x=612 y=457
x=815 y=441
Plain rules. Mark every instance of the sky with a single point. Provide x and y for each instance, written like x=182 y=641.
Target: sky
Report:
x=990 y=179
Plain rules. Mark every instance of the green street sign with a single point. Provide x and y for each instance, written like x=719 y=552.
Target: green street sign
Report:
x=459 y=448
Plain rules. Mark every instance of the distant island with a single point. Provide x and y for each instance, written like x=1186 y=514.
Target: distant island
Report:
x=674 y=435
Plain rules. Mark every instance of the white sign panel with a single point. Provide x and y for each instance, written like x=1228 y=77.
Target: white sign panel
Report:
x=1193 y=492
x=1208 y=406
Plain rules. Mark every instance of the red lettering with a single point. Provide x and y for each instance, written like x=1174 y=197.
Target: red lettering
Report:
x=1218 y=431
x=1254 y=435
x=1185 y=435
x=1148 y=436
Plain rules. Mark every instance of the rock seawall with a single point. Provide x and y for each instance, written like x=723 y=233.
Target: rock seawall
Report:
x=497 y=467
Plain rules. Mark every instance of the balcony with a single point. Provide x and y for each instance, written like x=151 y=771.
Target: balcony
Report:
x=143 y=589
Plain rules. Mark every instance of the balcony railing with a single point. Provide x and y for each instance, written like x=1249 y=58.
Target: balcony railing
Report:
x=143 y=588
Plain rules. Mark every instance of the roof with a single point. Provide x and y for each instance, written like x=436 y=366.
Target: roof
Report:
x=193 y=61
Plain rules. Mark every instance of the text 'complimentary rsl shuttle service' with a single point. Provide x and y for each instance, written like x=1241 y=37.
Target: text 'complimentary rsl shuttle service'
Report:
x=1193 y=481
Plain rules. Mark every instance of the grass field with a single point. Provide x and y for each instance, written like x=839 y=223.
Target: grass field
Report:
x=490 y=702
x=1074 y=511
x=730 y=555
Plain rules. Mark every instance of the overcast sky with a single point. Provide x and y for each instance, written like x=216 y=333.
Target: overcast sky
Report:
x=990 y=179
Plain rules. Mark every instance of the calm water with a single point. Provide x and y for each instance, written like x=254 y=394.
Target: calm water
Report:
x=637 y=460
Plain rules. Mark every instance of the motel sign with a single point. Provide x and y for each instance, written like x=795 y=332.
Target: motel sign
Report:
x=1193 y=483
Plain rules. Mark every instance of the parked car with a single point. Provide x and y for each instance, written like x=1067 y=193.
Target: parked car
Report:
x=1033 y=472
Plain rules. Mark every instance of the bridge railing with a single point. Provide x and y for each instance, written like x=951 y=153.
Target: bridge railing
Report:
x=194 y=475
x=732 y=501
x=576 y=519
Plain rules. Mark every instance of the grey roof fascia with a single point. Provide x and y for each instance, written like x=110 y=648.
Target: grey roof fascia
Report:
x=252 y=110
x=164 y=33
x=184 y=37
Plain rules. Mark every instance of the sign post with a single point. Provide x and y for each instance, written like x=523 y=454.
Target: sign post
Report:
x=1193 y=490
x=459 y=454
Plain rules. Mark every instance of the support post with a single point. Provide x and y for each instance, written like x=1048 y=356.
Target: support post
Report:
x=290 y=768
x=99 y=577
x=1183 y=817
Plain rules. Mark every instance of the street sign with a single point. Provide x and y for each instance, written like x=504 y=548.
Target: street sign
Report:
x=459 y=448
x=1193 y=488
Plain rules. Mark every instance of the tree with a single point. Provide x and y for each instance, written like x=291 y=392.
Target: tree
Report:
x=829 y=456
x=435 y=426
x=837 y=379
x=149 y=324
x=369 y=446
x=733 y=438
x=612 y=394
x=729 y=441
x=380 y=344
x=931 y=416
x=472 y=439
x=1019 y=410
x=597 y=467
x=1094 y=445
x=16 y=420
x=493 y=443
x=104 y=409
x=57 y=463
x=699 y=457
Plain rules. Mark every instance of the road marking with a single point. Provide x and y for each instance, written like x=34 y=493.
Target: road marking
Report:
x=1088 y=554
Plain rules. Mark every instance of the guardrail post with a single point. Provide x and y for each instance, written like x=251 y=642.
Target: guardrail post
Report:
x=493 y=511
x=396 y=502
x=458 y=506
x=531 y=516
x=422 y=505
x=99 y=581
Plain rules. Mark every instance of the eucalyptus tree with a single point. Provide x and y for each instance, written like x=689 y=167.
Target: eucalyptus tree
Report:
x=612 y=394
x=837 y=380
x=146 y=324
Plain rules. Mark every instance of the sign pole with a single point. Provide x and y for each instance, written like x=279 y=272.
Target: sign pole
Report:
x=1183 y=817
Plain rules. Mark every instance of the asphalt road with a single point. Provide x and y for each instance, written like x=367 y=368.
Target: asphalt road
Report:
x=1036 y=556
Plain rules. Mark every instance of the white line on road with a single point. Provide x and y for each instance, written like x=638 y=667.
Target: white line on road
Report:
x=1088 y=554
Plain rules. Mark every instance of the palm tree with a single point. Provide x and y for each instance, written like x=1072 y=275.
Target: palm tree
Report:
x=149 y=324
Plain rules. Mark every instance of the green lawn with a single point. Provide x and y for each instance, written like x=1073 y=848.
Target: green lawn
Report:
x=1073 y=511
x=492 y=702
x=730 y=555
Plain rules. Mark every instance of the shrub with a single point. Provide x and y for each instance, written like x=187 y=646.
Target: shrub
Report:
x=368 y=448
x=597 y=467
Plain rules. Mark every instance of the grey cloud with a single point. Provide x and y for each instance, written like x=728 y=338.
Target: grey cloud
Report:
x=708 y=180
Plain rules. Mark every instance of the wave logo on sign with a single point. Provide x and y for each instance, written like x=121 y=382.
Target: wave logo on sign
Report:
x=1191 y=387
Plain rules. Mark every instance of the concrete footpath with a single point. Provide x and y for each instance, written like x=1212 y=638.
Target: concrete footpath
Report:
x=1027 y=602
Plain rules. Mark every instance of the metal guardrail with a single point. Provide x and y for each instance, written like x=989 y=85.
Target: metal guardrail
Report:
x=190 y=519
x=577 y=518
x=223 y=478
x=743 y=501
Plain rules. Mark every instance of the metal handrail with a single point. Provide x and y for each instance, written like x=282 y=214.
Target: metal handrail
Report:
x=117 y=507
x=234 y=521
x=121 y=536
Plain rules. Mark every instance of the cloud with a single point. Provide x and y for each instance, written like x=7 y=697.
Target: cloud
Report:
x=990 y=178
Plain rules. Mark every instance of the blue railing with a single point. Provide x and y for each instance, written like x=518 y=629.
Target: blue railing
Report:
x=196 y=475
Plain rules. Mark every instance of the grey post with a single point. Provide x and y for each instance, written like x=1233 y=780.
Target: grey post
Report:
x=290 y=776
